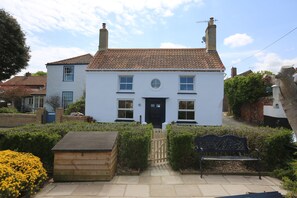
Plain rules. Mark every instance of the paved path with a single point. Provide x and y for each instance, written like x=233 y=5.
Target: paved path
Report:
x=230 y=121
x=161 y=181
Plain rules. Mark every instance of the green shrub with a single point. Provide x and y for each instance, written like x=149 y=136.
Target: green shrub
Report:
x=40 y=139
x=8 y=110
x=134 y=149
x=37 y=143
x=270 y=142
x=78 y=106
x=21 y=174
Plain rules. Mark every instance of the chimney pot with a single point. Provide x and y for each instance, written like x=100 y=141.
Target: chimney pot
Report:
x=104 y=25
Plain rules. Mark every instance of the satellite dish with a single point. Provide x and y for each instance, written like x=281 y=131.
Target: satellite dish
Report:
x=203 y=39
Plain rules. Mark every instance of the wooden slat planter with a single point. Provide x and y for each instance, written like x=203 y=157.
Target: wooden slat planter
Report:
x=86 y=156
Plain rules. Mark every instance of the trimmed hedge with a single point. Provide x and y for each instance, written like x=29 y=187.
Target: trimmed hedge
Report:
x=270 y=142
x=133 y=142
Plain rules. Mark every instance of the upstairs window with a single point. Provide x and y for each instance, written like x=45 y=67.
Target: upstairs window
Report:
x=67 y=98
x=68 y=73
x=186 y=83
x=186 y=110
x=126 y=83
x=125 y=109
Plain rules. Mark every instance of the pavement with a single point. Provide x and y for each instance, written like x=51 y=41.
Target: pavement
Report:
x=162 y=181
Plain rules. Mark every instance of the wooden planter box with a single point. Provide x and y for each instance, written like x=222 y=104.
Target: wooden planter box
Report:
x=85 y=156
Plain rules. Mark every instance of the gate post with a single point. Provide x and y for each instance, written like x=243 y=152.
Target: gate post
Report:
x=59 y=115
x=40 y=116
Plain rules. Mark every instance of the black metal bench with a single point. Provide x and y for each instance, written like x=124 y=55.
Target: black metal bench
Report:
x=224 y=148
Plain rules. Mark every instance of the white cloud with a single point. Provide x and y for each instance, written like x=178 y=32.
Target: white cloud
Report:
x=84 y=17
x=272 y=62
x=171 y=45
x=45 y=55
x=238 y=40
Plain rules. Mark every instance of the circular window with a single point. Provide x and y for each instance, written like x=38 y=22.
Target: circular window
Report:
x=155 y=83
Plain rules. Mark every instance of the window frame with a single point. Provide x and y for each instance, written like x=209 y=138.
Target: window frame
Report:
x=66 y=76
x=125 y=83
x=63 y=101
x=186 y=83
x=186 y=110
x=125 y=109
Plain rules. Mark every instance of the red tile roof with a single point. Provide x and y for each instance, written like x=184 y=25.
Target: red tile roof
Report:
x=26 y=81
x=78 y=60
x=39 y=92
x=196 y=59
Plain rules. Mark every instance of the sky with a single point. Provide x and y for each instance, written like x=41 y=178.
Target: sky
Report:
x=252 y=35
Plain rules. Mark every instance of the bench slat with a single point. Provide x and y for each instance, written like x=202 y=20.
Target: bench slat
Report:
x=229 y=158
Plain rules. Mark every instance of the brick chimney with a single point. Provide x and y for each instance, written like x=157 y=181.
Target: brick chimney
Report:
x=103 y=38
x=233 y=72
x=210 y=35
x=27 y=74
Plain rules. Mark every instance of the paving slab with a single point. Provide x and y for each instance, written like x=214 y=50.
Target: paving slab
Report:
x=137 y=190
x=237 y=179
x=112 y=190
x=212 y=190
x=87 y=189
x=162 y=190
x=187 y=190
x=192 y=179
x=236 y=189
x=171 y=180
x=256 y=181
x=127 y=180
x=62 y=189
x=259 y=188
x=216 y=179
x=150 y=180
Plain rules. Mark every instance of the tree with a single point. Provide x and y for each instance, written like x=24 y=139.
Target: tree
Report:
x=54 y=102
x=14 y=54
x=244 y=89
x=288 y=94
x=40 y=73
x=15 y=95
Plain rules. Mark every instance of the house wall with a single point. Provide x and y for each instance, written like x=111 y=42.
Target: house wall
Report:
x=102 y=96
x=56 y=85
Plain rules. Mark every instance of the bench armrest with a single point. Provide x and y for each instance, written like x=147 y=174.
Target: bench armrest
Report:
x=198 y=149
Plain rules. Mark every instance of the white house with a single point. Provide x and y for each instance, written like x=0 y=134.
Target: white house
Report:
x=156 y=86
x=67 y=79
x=274 y=115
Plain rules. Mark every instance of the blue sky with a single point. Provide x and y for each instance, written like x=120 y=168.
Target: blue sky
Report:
x=60 y=29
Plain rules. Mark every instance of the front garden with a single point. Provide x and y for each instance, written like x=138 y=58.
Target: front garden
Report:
x=134 y=144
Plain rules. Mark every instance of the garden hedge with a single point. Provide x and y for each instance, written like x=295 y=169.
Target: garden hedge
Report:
x=272 y=144
x=133 y=142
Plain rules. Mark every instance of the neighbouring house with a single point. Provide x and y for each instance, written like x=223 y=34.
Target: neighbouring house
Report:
x=66 y=80
x=26 y=93
x=157 y=86
x=274 y=114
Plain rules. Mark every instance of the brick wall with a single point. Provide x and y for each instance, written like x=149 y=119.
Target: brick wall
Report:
x=15 y=119
x=253 y=113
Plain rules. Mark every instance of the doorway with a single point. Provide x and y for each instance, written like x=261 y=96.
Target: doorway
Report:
x=155 y=111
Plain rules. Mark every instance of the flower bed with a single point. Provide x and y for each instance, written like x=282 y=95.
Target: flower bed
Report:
x=20 y=174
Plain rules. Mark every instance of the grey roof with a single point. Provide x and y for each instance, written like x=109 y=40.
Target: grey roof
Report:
x=87 y=141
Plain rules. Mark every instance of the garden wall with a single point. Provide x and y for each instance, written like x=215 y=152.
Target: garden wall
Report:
x=13 y=119
x=253 y=113
x=8 y=120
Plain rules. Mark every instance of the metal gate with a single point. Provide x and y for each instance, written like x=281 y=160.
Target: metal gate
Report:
x=50 y=117
x=158 y=148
